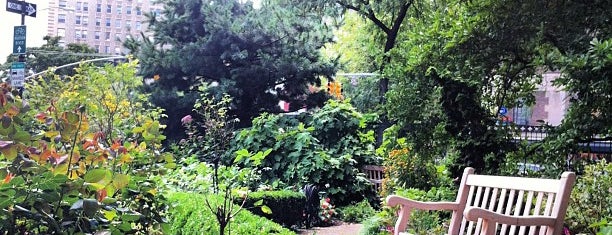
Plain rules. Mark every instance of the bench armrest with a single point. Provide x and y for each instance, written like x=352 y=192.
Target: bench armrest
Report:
x=394 y=200
x=407 y=205
x=474 y=213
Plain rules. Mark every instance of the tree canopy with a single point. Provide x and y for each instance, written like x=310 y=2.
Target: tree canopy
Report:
x=52 y=54
x=257 y=55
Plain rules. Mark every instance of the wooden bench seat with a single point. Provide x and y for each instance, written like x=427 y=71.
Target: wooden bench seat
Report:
x=488 y=205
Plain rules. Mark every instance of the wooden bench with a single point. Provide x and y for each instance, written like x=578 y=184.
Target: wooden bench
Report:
x=375 y=175
x=488 y=205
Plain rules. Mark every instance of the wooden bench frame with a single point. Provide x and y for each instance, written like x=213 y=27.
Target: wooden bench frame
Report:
x=489 y=205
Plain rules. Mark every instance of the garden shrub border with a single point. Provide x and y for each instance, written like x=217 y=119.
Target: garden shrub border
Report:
x=188 y=214
x=287 y=206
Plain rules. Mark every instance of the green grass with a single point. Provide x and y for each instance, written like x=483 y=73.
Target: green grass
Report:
x=189 y=215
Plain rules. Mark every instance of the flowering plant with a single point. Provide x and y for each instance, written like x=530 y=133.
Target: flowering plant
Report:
x=327 y=211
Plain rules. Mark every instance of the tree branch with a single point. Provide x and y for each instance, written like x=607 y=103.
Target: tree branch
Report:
x=369 y=13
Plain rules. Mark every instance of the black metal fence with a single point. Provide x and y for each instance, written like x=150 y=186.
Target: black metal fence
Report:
x=591 y=149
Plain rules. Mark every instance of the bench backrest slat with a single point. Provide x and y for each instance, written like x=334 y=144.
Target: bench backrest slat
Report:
x=514 y=196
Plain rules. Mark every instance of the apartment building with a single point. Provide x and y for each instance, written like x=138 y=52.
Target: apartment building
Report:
x=101 y=24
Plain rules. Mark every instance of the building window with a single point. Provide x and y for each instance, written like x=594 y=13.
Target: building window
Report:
x=119 y=9
x=77 y=34
x=61 y=32
x=109 y=9
x=85 y=20
x=97 y=35
x=117 y=50
x=118 y=24
x=138 y=26
x=97 y=48
x=108 y=22
x=77 y=20
x=118 y=37
x=62 y=4
x=85 y=6
x=128 y=10
x=98 y=20
x=79 y=5
x=106 y=36
x=106 y=49
x=61 y=18
x=84 y=34
x=98 y=7
x=138 y=11
x=128 y=24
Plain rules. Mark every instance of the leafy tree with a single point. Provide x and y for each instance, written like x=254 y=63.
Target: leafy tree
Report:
x=388 y=19
x=472 y=58
x=52 y=54
x=257 y=56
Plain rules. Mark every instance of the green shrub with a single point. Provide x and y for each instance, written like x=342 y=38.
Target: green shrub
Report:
x=287 y=206
x=189 y=215
x=327 y=149
x=379 y=224
x=590 y=204
x=356 y=213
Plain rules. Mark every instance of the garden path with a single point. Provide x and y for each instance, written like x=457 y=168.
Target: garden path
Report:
x=341 y=229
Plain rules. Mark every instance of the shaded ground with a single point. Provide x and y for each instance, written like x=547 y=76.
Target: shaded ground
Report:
x=340 y=229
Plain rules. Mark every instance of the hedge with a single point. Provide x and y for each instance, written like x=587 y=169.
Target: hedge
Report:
x=287 y=206
x=188 y=214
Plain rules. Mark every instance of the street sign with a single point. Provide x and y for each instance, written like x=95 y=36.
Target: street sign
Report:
x=503 y=111
x=19 y=39
x=17 y=74
x=21 y=7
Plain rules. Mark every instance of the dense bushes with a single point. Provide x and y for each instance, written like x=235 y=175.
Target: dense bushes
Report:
x=356 y=213
x=590 y=207
x=287 y=206
x=189 y=215
x=327 y=149
x=80 y=157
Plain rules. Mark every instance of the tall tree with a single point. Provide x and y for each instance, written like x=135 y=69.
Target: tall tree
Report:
x=475 y=57
x=257 y=55
x=388 y=17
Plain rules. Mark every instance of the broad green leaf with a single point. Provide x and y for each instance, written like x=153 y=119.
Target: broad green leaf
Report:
x=22 y=136
x=258 y=203
x=131 y=217
x=121 y=180
x=265 y=209
x=109 y=215
x=10 y=152
x=101 y=176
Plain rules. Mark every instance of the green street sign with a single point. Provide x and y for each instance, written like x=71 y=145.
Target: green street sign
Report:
x=19 y=39
x=17 y=75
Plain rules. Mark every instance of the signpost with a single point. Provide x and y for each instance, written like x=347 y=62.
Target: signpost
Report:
x=17 y=74
x=21 y=7
x=19 y=39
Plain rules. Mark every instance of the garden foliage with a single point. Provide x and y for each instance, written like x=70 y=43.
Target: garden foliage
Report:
x=78 y=155
x=189 y=215
x=590 y=207
x=287 y=207
x=327 y=149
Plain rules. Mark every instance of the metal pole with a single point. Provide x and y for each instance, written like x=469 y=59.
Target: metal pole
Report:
x=23 y=15
x=23 y=12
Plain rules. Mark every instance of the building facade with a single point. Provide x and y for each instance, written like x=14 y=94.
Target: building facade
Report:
x=101 y=24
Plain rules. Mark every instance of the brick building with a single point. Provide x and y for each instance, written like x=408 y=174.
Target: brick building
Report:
x=101 y=24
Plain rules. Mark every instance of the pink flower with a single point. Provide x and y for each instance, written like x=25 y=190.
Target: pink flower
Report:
x=186 y=119
x=327 y=200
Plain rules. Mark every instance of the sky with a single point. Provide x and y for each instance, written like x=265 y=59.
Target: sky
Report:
x=36 y=27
